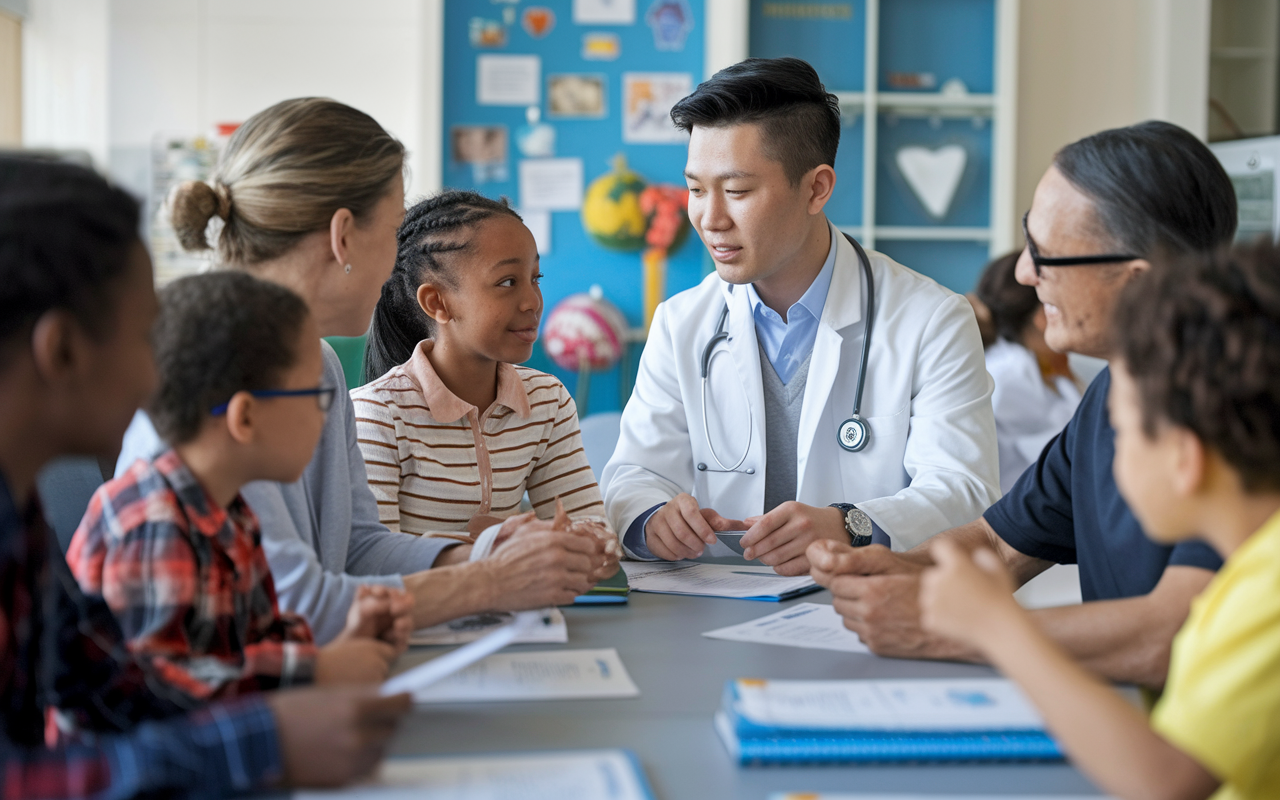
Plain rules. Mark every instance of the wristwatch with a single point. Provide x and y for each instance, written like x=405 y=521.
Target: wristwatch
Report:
x=856 y=523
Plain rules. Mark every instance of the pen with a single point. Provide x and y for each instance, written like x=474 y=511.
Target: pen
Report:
x=760 y=574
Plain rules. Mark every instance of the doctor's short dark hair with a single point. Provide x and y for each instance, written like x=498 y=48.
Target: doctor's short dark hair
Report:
x=799 y=119
x=65 y=240
x=1158 y=190
x=217 y=334
x=1201 y=339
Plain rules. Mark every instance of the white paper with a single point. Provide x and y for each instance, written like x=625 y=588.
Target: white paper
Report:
x=975 y=704
x=826 y=796
x=542 y=675
x=570 y=775
x=551 y=184
x=647 y=98
x=711 y=580
x=418 y=678
x=604 y=12
x=815 y=626
x=539 y=224
x=551 y=629
x=508 y=80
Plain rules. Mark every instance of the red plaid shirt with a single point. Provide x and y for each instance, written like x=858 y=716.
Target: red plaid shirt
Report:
x=189 y=583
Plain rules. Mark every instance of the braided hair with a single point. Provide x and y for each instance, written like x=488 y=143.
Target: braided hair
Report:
x=431 y=228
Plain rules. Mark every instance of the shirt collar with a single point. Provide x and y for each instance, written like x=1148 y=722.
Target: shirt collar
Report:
x=815 y=297
x=209 y=518
x=446 y=406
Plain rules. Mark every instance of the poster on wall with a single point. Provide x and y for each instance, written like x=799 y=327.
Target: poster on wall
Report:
x=575 y=95
x=604 y=12
x=481 y=147
x=551 y=184
x=508 y=80
x=647 y=98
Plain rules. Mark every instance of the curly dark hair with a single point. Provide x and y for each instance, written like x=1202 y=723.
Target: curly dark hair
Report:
x=217 y=334
x=1202 y=341
x=432 y=227
x=65 y=239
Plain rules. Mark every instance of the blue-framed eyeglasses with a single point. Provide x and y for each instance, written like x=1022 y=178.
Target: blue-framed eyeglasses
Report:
x=323 y=394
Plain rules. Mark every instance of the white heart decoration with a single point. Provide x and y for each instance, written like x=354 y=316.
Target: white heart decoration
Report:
x=934 y=175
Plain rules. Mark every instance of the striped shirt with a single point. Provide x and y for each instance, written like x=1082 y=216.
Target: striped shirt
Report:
x=439 y=466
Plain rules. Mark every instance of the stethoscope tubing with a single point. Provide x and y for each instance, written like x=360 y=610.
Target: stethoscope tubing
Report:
x=709 y=352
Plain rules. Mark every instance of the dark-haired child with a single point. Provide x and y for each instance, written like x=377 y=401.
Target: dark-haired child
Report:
x=1195 y=401
x=453 y=432
x=77 y=300
x=173 y=547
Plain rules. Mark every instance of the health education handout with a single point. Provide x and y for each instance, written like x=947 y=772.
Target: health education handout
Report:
x=570 y=775
x=952 y=705
x=742 y=582
x=815 y=626
x=824 y=796
x=420 y=677
x=552 y=629
x=540 y=675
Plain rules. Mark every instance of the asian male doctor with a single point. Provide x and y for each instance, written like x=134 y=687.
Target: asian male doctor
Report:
x=807 y=390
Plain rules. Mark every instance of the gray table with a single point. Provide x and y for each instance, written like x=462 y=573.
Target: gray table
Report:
x=681 y=675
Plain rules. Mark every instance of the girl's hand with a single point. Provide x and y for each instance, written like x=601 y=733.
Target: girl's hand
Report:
x=966 y=598
x=609 y=553
x=512 y=524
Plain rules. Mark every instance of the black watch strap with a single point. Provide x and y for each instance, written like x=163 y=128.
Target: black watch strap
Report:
x=856 y=523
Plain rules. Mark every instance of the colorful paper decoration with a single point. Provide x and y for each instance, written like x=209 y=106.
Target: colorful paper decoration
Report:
x=601 y=47
x=538 y=21
x=667 y=209
x=487 y=33
x=670 y=21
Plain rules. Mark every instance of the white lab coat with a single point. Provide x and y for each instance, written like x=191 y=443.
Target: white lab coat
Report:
x=931 y=462
x=1028 y=411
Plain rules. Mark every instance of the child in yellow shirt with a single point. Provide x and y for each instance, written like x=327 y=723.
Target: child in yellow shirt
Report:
x=1195 y=401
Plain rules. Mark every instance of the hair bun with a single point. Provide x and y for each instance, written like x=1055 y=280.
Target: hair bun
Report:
x=191 y=205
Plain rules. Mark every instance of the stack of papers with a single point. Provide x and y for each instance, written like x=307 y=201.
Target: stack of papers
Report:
x=815 y=626
x=542 y=675
x=552 y=629
x=574 y=775
x=741 y=582
x=868 y=721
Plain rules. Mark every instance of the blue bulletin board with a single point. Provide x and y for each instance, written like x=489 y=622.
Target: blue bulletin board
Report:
x=600 y=54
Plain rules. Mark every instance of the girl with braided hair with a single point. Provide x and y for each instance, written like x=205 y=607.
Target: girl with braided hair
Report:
x=453 y=432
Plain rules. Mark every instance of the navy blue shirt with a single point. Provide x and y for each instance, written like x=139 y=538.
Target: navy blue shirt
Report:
x=1065 y=508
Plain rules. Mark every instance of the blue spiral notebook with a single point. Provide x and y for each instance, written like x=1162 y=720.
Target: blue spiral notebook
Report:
x=869 y=721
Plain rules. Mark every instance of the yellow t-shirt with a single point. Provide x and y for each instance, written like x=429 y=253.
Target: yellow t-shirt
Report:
x=1221 y=704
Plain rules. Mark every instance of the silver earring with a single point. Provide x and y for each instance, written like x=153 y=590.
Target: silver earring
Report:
x=348 y=269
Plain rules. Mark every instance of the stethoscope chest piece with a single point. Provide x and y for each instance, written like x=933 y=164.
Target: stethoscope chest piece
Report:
x=853 y=434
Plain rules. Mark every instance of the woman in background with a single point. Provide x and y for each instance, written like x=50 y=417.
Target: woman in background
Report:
x=1036 y=391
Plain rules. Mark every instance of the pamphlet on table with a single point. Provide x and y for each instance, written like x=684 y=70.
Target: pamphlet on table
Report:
x=540 y=675
x=553 y=629
x=569 y=775
x=977 y=719
x=737 y=581
x=815 y=626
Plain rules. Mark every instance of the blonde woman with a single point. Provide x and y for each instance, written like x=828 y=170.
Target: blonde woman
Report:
x=309 y=194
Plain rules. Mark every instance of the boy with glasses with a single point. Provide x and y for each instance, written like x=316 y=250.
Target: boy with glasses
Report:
x=172 y=546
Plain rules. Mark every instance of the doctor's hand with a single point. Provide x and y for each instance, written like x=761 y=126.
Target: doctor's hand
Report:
x=680 y=529
x=877 y=592
x=781 y=537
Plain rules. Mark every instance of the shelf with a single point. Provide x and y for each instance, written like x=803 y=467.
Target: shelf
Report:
x=940 y=233
x=1243 y=53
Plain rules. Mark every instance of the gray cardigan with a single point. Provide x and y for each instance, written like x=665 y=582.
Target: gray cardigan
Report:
x=321 y=533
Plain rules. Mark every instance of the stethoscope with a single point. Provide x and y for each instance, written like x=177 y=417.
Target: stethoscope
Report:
x=852 y=434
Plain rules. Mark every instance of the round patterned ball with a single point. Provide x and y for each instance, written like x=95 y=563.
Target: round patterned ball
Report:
x=584 y=329
x=611 y=213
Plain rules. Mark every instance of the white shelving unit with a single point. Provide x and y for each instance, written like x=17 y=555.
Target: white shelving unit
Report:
x=1243 y=68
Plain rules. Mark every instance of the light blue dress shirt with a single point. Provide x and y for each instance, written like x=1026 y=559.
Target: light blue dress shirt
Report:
x=788 y=343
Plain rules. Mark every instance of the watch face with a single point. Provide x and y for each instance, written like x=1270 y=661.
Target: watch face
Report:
x=858 y=523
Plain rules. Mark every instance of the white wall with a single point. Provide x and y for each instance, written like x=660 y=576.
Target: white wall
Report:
x=108 y=75
x=1088 y=65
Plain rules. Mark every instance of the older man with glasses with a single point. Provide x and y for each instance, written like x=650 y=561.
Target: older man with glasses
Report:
x=1112 y=205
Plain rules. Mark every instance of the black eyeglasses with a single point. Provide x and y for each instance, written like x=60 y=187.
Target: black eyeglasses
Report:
x=324 y=397
x=1068 y=261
